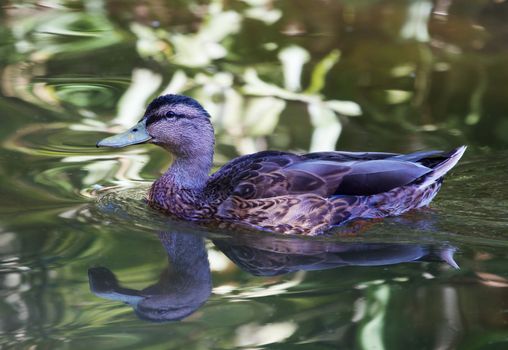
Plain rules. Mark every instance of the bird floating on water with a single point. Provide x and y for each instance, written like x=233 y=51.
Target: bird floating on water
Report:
x=273 y=190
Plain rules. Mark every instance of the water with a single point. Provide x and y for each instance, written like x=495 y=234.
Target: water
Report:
x=85 y=264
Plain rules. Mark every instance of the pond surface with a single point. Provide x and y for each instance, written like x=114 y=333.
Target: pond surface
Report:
x=84 y=264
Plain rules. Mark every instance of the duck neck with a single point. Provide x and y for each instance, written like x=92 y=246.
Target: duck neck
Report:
x=189 y=172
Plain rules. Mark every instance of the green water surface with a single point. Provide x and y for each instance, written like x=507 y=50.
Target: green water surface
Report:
x=81 y=254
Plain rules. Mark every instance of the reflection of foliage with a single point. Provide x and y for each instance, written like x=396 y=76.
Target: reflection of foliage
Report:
x=56 y=34
x=253 y=119
x=391 y=71
x=190 y=50
x=63 y=33
x=261 y=115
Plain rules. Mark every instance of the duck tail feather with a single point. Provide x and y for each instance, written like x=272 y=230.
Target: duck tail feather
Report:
x=417 y=156
x=439 y=170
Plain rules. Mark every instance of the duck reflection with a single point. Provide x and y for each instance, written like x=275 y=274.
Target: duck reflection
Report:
x=186 y=284
x=182 y=288
x=270 y=256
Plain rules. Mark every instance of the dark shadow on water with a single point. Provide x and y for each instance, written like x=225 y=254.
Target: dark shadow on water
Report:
x=186 y=284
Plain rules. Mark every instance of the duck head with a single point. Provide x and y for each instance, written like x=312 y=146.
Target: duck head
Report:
x=175 y=122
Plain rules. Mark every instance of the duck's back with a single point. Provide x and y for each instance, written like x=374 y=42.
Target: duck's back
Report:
x=308 y=193
x=271 y=173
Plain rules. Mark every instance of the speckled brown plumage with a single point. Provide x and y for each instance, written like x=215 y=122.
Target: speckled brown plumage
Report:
x=278 y=191
x=301 y=194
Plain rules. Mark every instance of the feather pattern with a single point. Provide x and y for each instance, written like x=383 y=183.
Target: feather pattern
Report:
x=307 y=194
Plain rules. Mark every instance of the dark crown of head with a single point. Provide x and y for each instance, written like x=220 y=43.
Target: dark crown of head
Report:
x=173 y=100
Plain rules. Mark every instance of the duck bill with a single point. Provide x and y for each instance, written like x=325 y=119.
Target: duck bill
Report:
x=135 y=135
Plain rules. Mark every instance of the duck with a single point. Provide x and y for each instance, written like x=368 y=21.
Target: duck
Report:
x=276 y=191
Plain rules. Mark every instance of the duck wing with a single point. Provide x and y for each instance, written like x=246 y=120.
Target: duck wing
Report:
x=342 y=156
x=251 y=176
x=271 y=174
x=377 y=176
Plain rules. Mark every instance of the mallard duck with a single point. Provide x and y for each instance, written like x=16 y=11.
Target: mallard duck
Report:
x=273 y=190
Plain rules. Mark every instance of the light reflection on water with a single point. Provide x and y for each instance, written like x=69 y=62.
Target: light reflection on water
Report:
x=384 y=76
